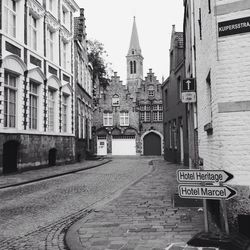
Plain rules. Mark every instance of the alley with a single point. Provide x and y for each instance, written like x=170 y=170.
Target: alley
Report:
x=35 y=216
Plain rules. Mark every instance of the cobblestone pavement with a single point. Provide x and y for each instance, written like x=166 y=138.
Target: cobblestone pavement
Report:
x=141 y=218
x=36 y=215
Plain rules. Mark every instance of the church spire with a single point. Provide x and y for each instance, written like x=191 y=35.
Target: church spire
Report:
x=134 y=41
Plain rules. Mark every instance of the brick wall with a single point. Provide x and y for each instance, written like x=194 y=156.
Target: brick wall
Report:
x=228 y=61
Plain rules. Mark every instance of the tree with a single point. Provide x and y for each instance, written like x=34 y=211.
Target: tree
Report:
x=96 y=56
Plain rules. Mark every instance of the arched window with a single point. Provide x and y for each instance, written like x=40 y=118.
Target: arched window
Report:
x=131 y=67
x=134 y=66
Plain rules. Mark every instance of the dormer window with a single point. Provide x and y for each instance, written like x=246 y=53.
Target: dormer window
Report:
x=133 y=52
x=151 y=91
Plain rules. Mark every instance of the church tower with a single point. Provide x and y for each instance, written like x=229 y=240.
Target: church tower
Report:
x=134 y=62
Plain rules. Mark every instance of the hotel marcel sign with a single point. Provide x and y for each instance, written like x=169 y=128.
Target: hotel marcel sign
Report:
x=235 y=26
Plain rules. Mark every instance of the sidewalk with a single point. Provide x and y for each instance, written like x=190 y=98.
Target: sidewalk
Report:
x=47 y=172
x=141 y=218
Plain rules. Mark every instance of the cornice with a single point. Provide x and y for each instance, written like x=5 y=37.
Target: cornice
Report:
x=52 y=23
x=36 y=9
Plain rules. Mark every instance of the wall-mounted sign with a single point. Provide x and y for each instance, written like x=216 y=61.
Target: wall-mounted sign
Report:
x=187 y=97
x=235 y=26
x=115 y=101
x=188 y=85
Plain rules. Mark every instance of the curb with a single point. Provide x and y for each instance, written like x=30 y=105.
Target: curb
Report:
x=71 y=238
x=54 y=176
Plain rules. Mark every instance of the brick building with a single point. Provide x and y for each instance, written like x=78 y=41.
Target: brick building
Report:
x=83 y=90
x=128 y=118
x=223 y=91
x=36 y=83
x=175 y=112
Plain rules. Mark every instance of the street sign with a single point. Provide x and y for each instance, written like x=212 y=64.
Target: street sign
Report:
x=235 y=26
x=188 y=85
x=206 y=192
x=193 y=175
x=188 y=97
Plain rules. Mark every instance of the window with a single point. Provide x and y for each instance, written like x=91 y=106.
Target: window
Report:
x=124 y=119
x=134 y=67
x=64 y=55
x=64 y=13
x=33 y=105
x=209 y=6
x=209 y=97
x=170 y=135
x=50 y=45
x=64 y=112
x=131 y=67
x=145 y=113
x=50 y=5
x=51 y=110
x=200 y=25
x=10 y=18
x=179 y=88
x=174 y=134
x=108 y=119
x=157 y=112
x=33 y=32
x=115 y=100
x=10 y=95
x=151 y=91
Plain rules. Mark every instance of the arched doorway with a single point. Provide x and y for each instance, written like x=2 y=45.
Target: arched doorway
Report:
x=152 y=144
x=10 y=150
x=52 y=157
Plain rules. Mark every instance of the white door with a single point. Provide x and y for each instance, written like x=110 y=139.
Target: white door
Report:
x=101 y=146
x=123 y=145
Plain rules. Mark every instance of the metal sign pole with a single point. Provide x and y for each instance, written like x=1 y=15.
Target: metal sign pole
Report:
x=205 y=216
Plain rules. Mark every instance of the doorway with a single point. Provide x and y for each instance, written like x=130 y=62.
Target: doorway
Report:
x=52 y=157
x=10 y=151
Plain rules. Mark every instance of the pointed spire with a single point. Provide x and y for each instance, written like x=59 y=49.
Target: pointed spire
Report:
x=134 y=41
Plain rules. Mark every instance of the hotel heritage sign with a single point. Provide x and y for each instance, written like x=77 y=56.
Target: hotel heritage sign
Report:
x=232 y=27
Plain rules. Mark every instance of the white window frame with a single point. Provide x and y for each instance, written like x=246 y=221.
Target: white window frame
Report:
x=51 y=109
x=10 y=12
x=65 y=99
x=50 y=44
x=7 y=102
x=64 y=55
x=107 y=119
x=33 y=31
x=124 y=118
x=33 y=108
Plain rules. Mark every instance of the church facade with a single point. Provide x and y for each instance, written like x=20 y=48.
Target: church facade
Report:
x=128 y=118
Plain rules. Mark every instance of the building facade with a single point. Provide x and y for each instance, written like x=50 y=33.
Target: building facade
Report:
x=223 y=92
x=175 y=112
x=83 y=90
x=36 y=83
x=128 y=118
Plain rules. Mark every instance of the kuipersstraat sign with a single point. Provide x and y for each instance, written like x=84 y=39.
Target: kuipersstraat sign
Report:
x=235 y=26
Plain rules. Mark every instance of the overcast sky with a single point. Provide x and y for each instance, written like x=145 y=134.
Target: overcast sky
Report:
x=110 y=22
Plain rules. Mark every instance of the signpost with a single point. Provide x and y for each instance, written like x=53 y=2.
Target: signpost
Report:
x=188 y=93
x=199 y=188
x=193 y=175
x=206 y=192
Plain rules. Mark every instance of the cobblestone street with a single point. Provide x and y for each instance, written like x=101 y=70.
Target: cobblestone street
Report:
x=141 y=218
x=36 y=215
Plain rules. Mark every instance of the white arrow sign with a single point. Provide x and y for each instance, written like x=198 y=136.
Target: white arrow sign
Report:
x=192 y=175
x=206 y=192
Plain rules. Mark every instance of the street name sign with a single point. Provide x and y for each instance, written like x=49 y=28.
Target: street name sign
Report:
x=206 y=192
x=187 y=97
x=235 y=26
x=193 y=175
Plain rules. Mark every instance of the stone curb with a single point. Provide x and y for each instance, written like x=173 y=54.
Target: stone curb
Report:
x=71 y=239
x=55 y=175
